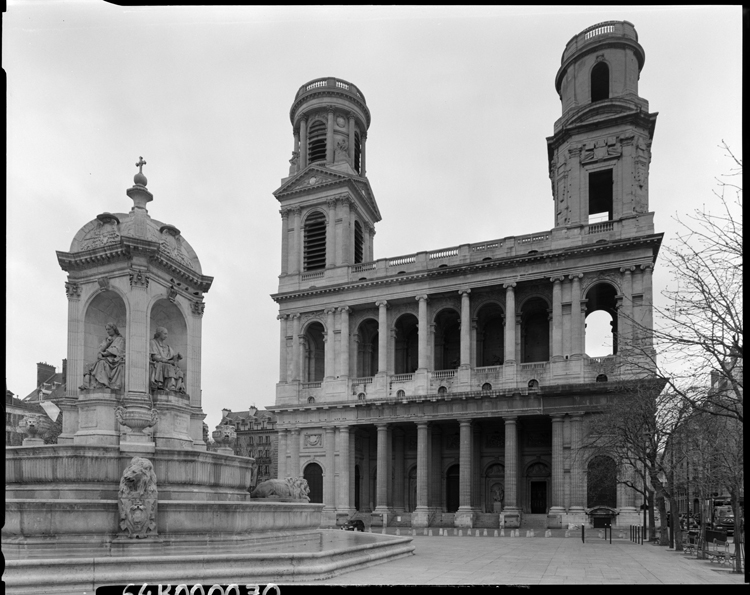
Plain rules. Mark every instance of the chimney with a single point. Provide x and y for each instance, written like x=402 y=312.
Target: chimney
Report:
x=43 y=373
x=65 y=372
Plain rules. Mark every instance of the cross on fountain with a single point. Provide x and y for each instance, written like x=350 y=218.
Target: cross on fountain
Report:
x=140 y=165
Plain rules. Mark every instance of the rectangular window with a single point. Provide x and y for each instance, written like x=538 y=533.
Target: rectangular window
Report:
x=601 y=185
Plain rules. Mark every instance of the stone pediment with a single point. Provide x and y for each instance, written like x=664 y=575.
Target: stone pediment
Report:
x=310 y=178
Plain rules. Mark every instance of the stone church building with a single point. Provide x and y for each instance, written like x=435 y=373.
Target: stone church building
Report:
x=451 y=386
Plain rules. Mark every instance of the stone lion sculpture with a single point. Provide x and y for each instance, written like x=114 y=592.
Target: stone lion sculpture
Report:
x=291 y=487
x=137 y=498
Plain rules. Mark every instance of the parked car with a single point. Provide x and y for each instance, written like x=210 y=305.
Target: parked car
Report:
x=353 y=525
x=725 y=523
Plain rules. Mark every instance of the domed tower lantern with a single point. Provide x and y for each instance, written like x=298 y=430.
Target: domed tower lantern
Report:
x=600 y=152
x=135 y=305
x=328 y=209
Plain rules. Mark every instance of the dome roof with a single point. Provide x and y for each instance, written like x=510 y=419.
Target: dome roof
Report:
x=109 y=228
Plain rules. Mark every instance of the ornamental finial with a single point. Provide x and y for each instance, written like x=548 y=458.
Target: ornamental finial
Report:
x=139 y=178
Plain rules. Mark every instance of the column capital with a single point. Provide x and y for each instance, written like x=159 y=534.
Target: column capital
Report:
x=294 y=430
x=72 y=290
x=511 y=419
x=425 y=424
x=304 y=118
x=330 y=109
x=647 y=267
x=463 y=292
x=576 y=276
x=627 y=269
x=329 y=428
x=330 y=311
x=343 y=427
x=466 y=421
x=344 y=309
x=382 y=426
x=282 y=316
x=509 y=286
x=331 y=202
x=284 y=212
x=557 y=279
x=420 y=298
x=577 y=415
x=295 y=210
x=557 y=417
x=381 y=303
x=296 y=315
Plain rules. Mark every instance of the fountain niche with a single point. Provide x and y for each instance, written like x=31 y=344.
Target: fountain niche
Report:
x=129 y=493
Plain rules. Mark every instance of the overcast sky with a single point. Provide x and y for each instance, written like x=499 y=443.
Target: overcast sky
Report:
x=462 y=100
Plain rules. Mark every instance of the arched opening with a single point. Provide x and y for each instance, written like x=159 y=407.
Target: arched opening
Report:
x=534 y=331
x=407 y=345
x=451 y=488
x=487 y=386
x=314 y=359
x=599 y=82
x=367 y=348
x=447 y=340
x=316 y=142
x=602 y=378
x=359 y=242
x=533 y=385
x=601 y=482
x=315 y=241
x=494 y=491
x=107 y=308
x=357 y=151
x=313 y=474
x=601 y=320
x=490 y=345
x=537 y=475
x=165 y=314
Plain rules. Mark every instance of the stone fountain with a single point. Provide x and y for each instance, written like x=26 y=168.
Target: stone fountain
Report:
x=130 y=493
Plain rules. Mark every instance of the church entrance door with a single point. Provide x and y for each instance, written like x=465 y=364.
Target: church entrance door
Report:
x=451 y=489
x=538 y=497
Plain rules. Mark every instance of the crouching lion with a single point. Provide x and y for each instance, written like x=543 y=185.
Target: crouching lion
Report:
x=291 y=487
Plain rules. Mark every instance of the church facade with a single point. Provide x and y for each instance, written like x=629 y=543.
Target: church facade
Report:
x=451 y=386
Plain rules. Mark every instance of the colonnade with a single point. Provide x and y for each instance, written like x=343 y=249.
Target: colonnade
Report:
x=567 y=336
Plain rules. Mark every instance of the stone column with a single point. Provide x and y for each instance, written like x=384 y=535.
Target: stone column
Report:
x=511 y=465
x=303 y=143
x=625 y=322
x=365 y=489
x=347 y=254
x=557 y=352
x=464 y=516
x=435 y=496
x=398 y=470
x=558 y=473
x=342 y=502
x=352 y=464
x=576 y=320
x=329 y=481
x=422 y=329
x=330 y=356
x=465 y=328
x=383 y=469
x=576 y=456
x=293 y=470
x=295 y=347
x=420 y=516
x=283 y=434
x=510 y=324
x=647 y=320
x=382 y=336
x=329 y=137
x=282 y=348
x=362 y=162
x=344 y=323
x=331 y=234
x=296 y=241
x=284 y=240
x=351 y=138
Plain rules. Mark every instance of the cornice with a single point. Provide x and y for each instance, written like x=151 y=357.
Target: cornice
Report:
x=462 y=269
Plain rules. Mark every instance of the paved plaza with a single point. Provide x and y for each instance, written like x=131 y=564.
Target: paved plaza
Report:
x=453 y=560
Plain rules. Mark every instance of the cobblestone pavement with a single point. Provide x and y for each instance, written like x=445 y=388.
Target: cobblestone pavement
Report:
x=489 y=560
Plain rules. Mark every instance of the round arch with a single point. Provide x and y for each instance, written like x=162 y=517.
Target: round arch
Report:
x=535 y=335
x=601 y=319
x=367 y=343
x=447 y=339
x=406 y=344
x=490 y=335
x=313 y=474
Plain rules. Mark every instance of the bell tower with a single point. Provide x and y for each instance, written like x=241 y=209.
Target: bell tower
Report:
x=328 y=209
x=600 y=152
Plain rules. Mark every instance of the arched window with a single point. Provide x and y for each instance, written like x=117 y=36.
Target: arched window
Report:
x=315 y=241
x=407 y=344
x=359 y=242
x=314 y=353
x=601 y=320
x=447 y=340
x=442 y=391
x=368 y=339
x=313 y=474
x=535 y=331
x=601 y=378
x=486 y=386
x=361 y=396
x=357 y=151
x=599 y=82
x=316 y=142
x=400 y=394
x=490 y=348
x=310 y=399
x=533 y=385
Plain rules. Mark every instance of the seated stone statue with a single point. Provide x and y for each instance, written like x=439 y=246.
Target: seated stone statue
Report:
x=165 y=373
x=108 y=370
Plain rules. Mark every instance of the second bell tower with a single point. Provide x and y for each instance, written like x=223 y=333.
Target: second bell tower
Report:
x=600 y=153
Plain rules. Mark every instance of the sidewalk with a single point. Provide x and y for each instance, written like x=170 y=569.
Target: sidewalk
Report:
x=453 y=560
